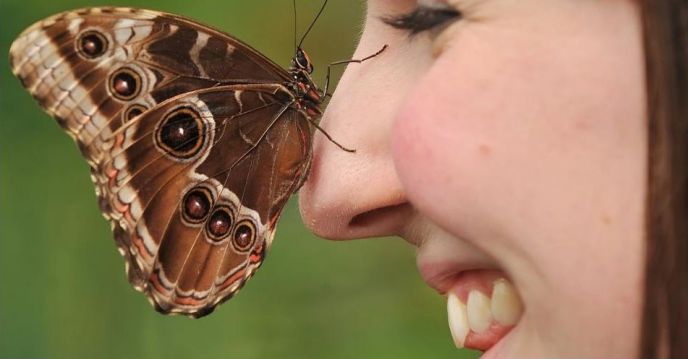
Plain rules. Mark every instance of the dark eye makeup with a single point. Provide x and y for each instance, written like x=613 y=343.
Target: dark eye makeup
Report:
x=423 y=18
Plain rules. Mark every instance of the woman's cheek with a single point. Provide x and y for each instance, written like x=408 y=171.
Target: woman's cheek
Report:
x=431 y=153
x=447 y=139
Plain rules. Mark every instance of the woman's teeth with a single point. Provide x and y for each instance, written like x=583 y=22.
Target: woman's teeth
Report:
x=506 y=305
x=479 y=311
x=458 y=320
x=483 y=320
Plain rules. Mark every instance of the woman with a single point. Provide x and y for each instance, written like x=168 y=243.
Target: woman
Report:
x=508 y=141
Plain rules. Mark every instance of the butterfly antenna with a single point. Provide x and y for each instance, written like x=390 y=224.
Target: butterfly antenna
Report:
x=294 y=3
x=313 y=22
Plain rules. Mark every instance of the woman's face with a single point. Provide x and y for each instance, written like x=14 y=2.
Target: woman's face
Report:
x=507 y=144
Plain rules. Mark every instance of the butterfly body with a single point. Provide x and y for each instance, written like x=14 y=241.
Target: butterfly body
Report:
x=195 y=141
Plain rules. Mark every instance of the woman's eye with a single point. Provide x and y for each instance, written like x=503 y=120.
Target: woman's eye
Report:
x=422 y=19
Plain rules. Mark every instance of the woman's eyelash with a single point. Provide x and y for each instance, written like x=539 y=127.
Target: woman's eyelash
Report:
x=422 y=19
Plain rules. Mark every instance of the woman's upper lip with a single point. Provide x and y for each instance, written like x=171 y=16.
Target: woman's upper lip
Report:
x=443 y=257
x=442 y=267
x=448 y=269
x=441 y=276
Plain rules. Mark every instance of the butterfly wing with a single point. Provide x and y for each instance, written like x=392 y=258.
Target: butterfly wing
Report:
x=96 y=68
x=111 y=76
x=197 y=211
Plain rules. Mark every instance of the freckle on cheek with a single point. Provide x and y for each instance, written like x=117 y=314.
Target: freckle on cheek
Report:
x=582 y=125
x=606 y=219
x=484 y=150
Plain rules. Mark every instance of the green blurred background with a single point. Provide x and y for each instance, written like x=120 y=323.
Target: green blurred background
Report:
x=63 y=292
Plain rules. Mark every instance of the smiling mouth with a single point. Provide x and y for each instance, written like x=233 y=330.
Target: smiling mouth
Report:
x=482 y=305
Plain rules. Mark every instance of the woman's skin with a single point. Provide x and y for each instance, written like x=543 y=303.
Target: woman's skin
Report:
x=508 y=144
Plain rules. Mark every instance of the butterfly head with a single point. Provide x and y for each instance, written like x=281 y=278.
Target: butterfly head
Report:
x=302 y=84
x=301 y=61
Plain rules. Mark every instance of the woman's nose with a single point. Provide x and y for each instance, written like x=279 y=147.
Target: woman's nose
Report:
x=356 y=195
x=351 y=196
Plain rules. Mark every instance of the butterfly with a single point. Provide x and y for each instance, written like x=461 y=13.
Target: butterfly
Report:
x=195 y=141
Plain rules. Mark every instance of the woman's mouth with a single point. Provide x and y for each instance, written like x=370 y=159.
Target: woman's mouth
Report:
x=482 y=305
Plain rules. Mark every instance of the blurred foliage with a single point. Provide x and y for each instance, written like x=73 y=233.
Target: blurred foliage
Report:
x=63 y=292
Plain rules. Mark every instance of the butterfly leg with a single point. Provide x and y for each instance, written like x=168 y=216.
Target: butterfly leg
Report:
x=358 y=61
x=315 y=124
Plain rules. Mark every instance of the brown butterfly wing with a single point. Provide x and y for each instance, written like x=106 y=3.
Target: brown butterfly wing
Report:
x=108 y=75
x=251 y=152
x=69 y=63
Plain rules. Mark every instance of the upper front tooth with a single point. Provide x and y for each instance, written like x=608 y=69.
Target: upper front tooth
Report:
x=458 y=322
x=479 y=313
x=506 y=305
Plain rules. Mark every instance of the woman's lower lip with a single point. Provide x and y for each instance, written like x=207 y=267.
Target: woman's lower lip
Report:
x=482 y=305
x=483 y=319
x=498 y=351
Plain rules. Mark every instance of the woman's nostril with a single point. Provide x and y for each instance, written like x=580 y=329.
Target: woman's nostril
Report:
x=380 y=215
